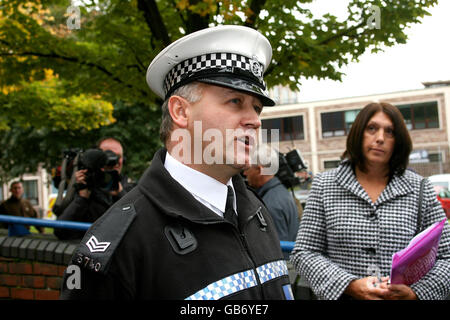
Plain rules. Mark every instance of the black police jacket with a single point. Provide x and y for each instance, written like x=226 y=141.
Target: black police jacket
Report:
x=158 y=242
x=83 y=210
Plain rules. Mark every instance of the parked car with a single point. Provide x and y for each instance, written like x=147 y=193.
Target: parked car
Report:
x=443 y=195
x=440 y=180
x=441 y=184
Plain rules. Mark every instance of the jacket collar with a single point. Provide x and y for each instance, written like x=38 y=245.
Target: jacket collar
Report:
x=268 y=185
x=199 y=184
x=173 y=199
x=397 y=186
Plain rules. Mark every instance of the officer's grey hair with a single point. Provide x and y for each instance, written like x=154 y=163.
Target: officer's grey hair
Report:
x=191 y=92
x=265 y=156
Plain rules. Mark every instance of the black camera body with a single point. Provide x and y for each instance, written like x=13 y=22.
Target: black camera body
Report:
x=290 y=163
x=98 y=176
x=98 y=164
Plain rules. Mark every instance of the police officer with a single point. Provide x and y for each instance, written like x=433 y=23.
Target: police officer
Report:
x=191 y=229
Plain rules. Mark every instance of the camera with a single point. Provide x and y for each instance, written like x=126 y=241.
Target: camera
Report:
x=290 y=163
x=99 y=174
x=94 y=160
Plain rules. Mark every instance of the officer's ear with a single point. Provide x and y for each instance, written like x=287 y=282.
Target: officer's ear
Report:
x=179 y=110
x=259 y=169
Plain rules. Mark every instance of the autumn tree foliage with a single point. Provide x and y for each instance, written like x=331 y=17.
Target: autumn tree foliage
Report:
x=63 y=87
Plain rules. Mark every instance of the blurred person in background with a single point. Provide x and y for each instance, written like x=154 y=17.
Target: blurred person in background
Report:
x=16 y=205
x=90 y=202
x=278 y=200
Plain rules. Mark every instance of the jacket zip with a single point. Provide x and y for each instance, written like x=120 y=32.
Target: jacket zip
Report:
x=245 y=244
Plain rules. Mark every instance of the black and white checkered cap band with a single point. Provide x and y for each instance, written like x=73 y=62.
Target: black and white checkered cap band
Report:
x=190 y=66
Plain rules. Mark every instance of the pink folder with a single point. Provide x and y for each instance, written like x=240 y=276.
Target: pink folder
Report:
x=412 y=263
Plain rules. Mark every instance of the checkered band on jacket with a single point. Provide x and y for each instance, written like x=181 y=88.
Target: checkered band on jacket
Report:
x=344 y=236
x=209 y=61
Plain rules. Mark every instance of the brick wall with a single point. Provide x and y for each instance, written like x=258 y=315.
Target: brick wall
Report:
x=22 y=279
x=31 y=267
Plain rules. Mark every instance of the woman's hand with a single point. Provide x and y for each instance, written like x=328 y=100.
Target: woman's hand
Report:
x=368 y=288
x=399 y=292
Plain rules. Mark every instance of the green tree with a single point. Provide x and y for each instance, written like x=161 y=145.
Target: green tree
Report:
x=62 y=87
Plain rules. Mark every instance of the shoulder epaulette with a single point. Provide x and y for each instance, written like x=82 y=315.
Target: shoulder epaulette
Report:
x=101 y=240
x=256 y=195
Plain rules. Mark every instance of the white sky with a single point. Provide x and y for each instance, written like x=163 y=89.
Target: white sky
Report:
x=425 y=57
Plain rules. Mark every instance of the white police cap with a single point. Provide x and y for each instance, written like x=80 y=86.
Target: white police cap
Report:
x=230 y=56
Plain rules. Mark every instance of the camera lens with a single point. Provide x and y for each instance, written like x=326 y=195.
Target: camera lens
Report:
x=112 y=158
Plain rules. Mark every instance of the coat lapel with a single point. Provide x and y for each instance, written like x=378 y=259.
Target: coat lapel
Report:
x=398 y=186
x=345 y=177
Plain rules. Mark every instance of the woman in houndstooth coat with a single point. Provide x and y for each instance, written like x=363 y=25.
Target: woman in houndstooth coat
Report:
x=359 y=214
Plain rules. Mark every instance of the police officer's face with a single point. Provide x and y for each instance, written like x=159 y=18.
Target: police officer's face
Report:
x=233 y=114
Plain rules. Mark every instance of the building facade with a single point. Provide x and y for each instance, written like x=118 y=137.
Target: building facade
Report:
x=319 y=129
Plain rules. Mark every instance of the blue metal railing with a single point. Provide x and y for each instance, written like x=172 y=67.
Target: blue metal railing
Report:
x=83 y=226
x=286 y=246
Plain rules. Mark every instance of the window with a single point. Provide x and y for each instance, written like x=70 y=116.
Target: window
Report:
x=290 y=128
x=276 y=94
x=420 y=115
x=350 y=117
x=30 y=189
x=331 y=164
x=337 y=124
x=284 y=96
x=435 y=157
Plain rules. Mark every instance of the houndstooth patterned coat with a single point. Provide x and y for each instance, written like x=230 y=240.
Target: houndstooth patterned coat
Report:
x=343 y=235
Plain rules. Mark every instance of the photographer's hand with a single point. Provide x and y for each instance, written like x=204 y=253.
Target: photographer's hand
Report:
x=115 y=193
x=80 y=178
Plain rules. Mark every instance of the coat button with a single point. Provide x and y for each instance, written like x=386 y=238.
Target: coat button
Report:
x=371 y=251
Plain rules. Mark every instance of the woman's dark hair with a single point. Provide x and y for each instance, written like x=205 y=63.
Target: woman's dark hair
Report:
x=402 y=146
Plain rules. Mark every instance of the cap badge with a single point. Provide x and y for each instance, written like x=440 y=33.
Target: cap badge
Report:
x=255 y=67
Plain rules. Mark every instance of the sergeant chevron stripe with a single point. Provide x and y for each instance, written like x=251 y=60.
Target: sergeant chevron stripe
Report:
x=241 y=281
x=96 y=246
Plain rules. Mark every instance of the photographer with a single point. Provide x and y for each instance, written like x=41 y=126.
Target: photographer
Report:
x=114 y=145
x=99 y=185
x=278 y=200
